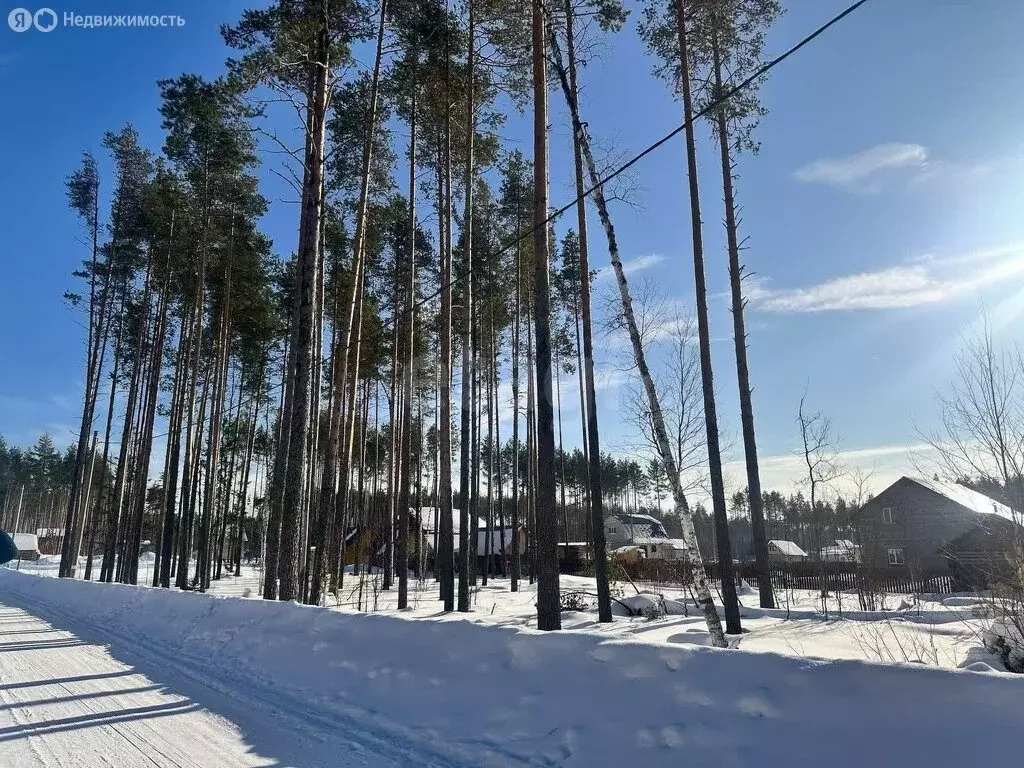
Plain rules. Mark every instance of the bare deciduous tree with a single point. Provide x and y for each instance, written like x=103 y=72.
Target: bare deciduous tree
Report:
x=981 y=432
x=981 y=439
x=675 y=367
x=820 y=454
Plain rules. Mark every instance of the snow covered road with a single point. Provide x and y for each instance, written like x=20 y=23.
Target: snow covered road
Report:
x=269 y=683
x=66 y=701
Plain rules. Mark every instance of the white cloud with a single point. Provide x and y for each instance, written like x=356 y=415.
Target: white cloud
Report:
x=881 y=466
x=886 y=464
x=926 y=280
x=909 y=164
x=629 y=266
x=854 y=170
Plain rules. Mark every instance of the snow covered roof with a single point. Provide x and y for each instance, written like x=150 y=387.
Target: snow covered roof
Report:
x=788 y=547
x=654 y=541
x=965 y=497
x=431 y=514
x=636 y=518
x=45 y=532
x=841 y=545
x=497 y=534
x=625 y=550
x=26 y=542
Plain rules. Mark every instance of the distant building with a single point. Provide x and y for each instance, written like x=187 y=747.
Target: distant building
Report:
x=843 y=551
x=499 y=535
x=644 y=534
x=783 y=551
x=28 y=545
x=661 y=548
x=50 y=540
x=624 y=528
x=931 y=525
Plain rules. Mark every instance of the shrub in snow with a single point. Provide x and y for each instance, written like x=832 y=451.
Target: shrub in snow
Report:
x=573 y=601
x=956 y=601
x=648 y=606
x=1005 y=639
x=675 y=607
x=1004 y=611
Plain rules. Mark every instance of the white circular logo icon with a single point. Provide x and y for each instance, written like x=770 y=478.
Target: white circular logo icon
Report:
x=45 y=19
x=20 y=19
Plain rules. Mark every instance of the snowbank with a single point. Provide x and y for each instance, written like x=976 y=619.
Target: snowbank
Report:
x=498 y=696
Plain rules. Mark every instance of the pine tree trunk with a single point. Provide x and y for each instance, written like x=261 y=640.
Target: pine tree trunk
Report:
x=100 y=494
x=496 y=446
x=349 y=430
x=466 y=411
x=314 y=481
x=329 y=488
x=118 y=501
x=446 y=545
x=474 y=455
x=196 y=497
x=410 y=304
x=421 y=550
x=163 y=574
x=394 y=446
x=516 y=328
x=436 y=470
x=294 y=501
x=548 y=608
x=95 y=346
x=531 y=455
x=682 y=509
x=230 y=469
x=592 y=444
x=244 y=500
x=725 y=567
x=353 y=331
x=192 y=431
x=222 y=353
x=561 y=452
x=489 y=523
x=146 y=438
x=756 y=502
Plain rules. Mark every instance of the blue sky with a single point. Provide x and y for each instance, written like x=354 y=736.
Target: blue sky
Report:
x=883 y=211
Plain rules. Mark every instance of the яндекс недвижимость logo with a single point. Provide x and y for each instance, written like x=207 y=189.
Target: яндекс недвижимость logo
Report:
x=22 y=19
x=46 y=20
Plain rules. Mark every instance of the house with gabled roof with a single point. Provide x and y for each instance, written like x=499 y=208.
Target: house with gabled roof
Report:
x=783 y=551
x=927 y=524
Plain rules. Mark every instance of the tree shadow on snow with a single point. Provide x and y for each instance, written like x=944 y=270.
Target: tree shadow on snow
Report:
x=274 y=730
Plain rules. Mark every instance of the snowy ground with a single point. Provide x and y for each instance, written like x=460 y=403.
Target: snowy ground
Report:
x=927 y=632
x=943 y=631
x=84 y=697
x=307 y=686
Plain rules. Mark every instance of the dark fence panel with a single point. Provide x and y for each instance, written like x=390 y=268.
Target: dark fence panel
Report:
x=808 y=575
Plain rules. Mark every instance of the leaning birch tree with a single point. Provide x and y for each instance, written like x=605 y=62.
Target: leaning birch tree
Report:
x=682 y=508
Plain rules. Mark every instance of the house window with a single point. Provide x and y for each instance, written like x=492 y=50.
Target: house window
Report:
x=896 y=556
x=612 y=529
x=886 y=514
x=654 y=548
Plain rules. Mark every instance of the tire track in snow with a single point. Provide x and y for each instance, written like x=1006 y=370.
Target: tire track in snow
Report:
x=69 y=719
x=338 y=734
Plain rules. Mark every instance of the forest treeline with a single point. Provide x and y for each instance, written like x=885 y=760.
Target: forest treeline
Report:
x=430 y=288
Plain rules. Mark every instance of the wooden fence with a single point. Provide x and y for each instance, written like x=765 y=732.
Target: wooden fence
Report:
x=809 y=575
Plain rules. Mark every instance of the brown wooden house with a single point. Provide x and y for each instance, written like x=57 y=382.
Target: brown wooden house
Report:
x=930 y=526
